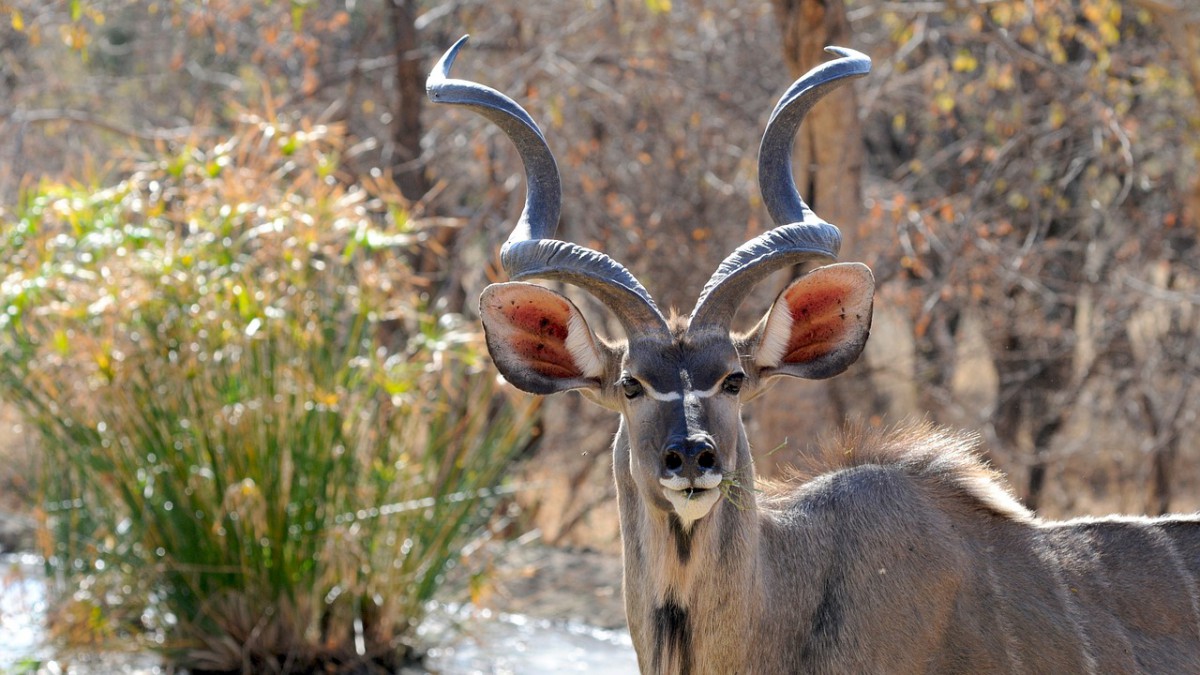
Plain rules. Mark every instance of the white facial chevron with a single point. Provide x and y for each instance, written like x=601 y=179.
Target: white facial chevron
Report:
x=668 y=396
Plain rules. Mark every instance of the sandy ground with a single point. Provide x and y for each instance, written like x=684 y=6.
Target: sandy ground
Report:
x=569 y=584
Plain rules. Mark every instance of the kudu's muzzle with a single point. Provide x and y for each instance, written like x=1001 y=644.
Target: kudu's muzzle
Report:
x=690 y=457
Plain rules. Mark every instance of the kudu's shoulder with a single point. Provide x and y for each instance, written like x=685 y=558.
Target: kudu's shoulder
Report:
x=923 y=463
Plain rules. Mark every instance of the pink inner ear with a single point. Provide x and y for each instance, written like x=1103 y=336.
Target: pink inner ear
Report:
x=823 y=315
x=537 y=326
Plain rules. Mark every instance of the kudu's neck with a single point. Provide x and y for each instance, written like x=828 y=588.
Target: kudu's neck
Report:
x=681 y=583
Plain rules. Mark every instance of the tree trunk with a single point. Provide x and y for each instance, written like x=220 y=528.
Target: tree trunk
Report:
x=829 y=146
x=1035 y=366
x=408 y=169
x=828 y=164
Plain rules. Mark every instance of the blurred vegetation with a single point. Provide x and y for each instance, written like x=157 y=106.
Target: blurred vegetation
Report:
x=1041 y=160
x=232 y=458
x=1030 y=201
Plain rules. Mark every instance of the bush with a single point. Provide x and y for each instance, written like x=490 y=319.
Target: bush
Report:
x=232 y=459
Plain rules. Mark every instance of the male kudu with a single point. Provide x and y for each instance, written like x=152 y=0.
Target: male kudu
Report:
x=900 y=553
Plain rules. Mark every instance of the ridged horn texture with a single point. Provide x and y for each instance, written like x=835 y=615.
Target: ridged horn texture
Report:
x=800 y=234
x=530 y=251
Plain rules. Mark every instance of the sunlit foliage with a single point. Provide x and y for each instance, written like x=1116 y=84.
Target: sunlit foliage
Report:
x=258 y=446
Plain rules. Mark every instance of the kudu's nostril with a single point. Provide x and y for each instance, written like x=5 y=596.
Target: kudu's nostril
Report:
x=673 y=461
x=690 y=458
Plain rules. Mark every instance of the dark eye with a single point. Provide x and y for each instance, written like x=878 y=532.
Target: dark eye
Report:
x=733 y=383
x=632 y=387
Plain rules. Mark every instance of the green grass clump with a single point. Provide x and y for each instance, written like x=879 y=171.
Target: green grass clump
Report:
x=259 y=452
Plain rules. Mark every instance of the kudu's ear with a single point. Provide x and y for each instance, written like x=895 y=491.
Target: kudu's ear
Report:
x=538 y=339
x=818 y=325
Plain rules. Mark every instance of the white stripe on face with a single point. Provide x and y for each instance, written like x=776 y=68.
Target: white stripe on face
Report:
x=710 y=392
x=661 y=396
x=668 y=396
x=706 y=481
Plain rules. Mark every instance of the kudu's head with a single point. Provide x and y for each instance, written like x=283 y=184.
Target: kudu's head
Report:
x=679 y=384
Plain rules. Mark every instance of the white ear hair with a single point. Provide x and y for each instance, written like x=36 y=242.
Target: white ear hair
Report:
x=819 y=324
x=582 y=347
x=538 y=339
x=775 y=338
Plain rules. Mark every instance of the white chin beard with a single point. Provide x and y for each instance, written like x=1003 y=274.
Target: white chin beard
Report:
x=693 y=508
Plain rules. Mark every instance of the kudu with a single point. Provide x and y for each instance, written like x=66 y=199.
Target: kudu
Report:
x=901 y=553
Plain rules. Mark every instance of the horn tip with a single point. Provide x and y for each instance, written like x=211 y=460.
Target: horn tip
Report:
x=441 y=70
x=859 y=59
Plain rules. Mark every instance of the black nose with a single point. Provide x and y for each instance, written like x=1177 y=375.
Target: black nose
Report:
x=689 y=457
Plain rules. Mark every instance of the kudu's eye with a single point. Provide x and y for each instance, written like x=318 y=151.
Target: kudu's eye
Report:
x=632 y=387
x=733 y=383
